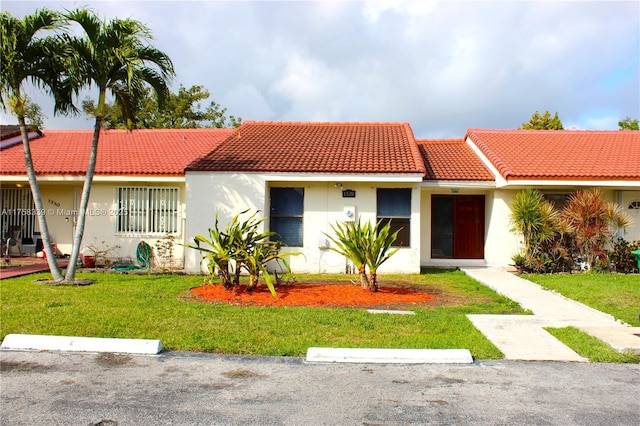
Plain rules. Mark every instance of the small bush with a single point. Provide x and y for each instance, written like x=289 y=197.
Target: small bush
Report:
x=621 y=258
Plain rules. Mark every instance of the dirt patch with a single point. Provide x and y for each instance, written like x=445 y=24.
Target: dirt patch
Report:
x=75 y=283
x=109 y=360
x=328 y=294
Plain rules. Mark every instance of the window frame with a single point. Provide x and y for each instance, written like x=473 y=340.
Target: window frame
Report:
x=149 y=210
x=297 y=218
x=402 y=220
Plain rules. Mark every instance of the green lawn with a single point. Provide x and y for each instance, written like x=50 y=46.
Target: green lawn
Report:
x=160 y=307
x=616 y=294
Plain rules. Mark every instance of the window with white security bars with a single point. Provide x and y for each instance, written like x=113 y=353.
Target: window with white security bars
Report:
x=144 y=210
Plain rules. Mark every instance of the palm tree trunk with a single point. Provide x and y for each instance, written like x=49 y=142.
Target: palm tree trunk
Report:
x=364 y=280
x=225 y=276
x=37 y=200
x=373 y=282
x=253 y=281
x=84 y=200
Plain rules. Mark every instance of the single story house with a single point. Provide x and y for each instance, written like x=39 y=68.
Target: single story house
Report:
x=449 y=197
x=138 y=189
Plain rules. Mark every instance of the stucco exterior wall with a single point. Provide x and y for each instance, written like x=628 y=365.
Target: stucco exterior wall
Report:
x=631 y=233
x=61 y=200
x=501 y=244
x=228 y=194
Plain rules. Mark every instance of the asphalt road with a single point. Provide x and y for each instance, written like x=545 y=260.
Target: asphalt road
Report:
x=201 y=389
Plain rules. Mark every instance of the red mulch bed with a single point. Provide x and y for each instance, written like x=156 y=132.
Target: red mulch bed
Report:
x=313 y=295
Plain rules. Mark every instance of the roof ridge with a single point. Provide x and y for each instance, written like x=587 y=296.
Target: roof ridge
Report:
x=415 y=151
x=561 y=131
x=423 y=141
x=497 y=162
x=327 y=123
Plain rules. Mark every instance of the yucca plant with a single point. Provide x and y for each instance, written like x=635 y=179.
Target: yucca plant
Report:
x=379 y=249
x=240 y=245
x=366 y=246
x=256 y=259
x=347 y=242
x=218 y=250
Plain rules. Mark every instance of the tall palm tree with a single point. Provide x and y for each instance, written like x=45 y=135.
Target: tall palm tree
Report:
x=25 y=57
x=113 y=56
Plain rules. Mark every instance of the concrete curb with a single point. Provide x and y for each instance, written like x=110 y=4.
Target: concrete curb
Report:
x=81 y=344
x=389 y=311
x=390 y=356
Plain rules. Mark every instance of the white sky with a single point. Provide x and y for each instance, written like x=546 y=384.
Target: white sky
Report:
x=441 y=66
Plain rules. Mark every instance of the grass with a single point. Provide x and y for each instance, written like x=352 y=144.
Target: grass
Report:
x=160 y=307
x=615 y=294
x=591 y=347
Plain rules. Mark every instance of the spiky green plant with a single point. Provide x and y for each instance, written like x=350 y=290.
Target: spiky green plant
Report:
x=218 y=251
x=347 y=242
x=367 y=246
x=378 y=249
x=240 y=245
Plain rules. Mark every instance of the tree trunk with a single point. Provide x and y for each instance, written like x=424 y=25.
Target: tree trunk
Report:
x=373 y=282
x=236 y=276
x=364 y=280
x=37 y=200
x=225 y=276
x=253 y=281
x=86 y=192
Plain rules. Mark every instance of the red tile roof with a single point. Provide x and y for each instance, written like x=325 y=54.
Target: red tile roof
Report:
x=120 y=152
x=561 y=154
x=452 y=159
x=283 y=147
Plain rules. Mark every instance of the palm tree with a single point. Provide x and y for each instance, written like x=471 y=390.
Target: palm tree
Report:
x=347 y=242
x=115 y=57
x=366 y=246
x=378 y=247
x=25 y=57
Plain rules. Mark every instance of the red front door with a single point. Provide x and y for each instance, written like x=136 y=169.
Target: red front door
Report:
x=457 y=226
x=468 y=231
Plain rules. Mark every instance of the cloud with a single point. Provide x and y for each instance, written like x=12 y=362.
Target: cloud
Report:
x=442 y=66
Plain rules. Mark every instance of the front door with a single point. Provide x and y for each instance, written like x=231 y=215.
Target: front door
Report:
x=457 y=226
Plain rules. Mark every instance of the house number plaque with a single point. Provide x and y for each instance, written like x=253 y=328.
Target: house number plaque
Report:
x=348 y=193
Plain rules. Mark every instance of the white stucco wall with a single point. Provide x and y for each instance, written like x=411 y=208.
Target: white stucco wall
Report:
x=501 y=244
x=60 y=200
x=229 y=193
x=631 y=233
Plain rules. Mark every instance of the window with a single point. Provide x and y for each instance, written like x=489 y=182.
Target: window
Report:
x=18 y=212
x=144 y=210
x=558 y=200
x=287 y=208
x=394 y=205
x=634 y=205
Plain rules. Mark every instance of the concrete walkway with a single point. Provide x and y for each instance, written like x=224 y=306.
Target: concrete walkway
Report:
x=522 y=337
x=27 y=265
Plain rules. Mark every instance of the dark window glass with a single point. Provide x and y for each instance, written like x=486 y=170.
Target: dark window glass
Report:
x=287 y=208
x=442 y=227
x=394 y=205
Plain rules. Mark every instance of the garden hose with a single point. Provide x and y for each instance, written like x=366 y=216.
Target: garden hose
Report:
x=143 y=254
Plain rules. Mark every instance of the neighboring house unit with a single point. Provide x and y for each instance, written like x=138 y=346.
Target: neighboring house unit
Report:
x=557 y=162
x=450 y=198
x=138 y=190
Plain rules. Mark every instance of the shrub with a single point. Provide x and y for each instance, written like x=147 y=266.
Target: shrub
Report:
x=621 y=258
x=592 y=222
